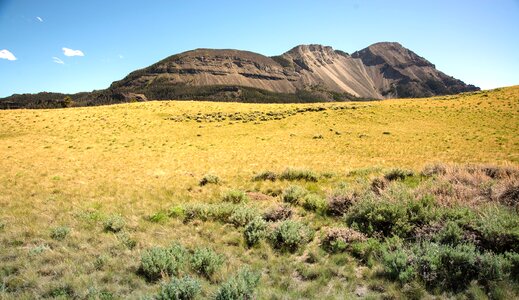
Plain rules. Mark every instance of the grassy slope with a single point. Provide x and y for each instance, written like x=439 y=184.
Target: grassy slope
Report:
x=75 y=166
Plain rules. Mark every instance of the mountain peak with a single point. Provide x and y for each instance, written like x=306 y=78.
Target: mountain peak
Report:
x=311 y=48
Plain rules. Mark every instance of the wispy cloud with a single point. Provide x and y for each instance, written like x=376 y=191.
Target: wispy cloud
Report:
x=6 y=54
x=70 y=52
x=121 y=56
x=39 y=19
x=58 y=60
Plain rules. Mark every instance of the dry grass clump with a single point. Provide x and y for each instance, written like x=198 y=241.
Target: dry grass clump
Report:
x=472 y=184
x=339 y=238
x=278 y=213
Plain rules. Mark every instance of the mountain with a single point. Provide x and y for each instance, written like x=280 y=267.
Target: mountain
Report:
x=306 y=73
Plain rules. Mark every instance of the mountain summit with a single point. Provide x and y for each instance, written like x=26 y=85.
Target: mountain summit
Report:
x=306 y=73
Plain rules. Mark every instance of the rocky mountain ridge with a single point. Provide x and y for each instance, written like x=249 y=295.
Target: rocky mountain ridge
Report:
x=306 y=73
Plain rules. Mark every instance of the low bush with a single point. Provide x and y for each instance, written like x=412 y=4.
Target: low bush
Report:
x=339 y=202
x=498 y=229
x=265 y=175
x=450 y=234
x=290 y=235
x=398 y=174
x=293 y=194
x=340 y=239
x=176 y=211
x=299 y=174
x=197 y=211
x=314 y=202
x=278 y=213
x=240 y=286
x=185 y=288
x=513 y=267
x=242 y=215
x=366 y=251
x=398 y=265
x=158 y=217
x=379 y=218
x=205 y=261
x=387 y=217
x=443 y=266
x=254 y=231
x=158 y=262
x=235 y=196
x=209 y=179
x=114 y=223
x=59 y=233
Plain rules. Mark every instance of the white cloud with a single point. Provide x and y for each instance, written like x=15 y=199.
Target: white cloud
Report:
x=70 y=52
x=39 y=19
x=121 y=56
x=6 y=54
x=58 y=60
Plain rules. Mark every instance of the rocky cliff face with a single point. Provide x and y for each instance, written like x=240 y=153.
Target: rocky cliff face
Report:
x=399 y=72
x=306 y=73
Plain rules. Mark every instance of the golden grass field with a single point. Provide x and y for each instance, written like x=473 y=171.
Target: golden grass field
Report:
x=63 y=166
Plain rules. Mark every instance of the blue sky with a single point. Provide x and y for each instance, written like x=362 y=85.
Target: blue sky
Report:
x=475 y=41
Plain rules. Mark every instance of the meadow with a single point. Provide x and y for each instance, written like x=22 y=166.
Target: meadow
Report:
x=268 y=201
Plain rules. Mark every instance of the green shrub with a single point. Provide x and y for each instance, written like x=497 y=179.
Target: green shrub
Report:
x=386 y=217
x=59 y=233
x=205 y=261
x=422 y=211
x=299 y=174
x=185 y=288
x=367 y=251
x=157 y=262
x=513 y=261
x=254 y=231
x=398 y=265
x=293 y=194
x=176 y=211
x=314 y=202
x=492 y=267
x=235 y=196
x=265 y=175
x=114 y=223
x=457 y=266
x=239 y=287
x=450 y=234
x=158 y=217
x=290 y=235
x=454 y=267
x=222 y=212
x=381 y=217
x=242 y=215
x=197 y=212
x=209 y=179
x=498 y=228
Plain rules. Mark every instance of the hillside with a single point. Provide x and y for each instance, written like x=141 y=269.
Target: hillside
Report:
x=306 y=73
x=405 y=198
